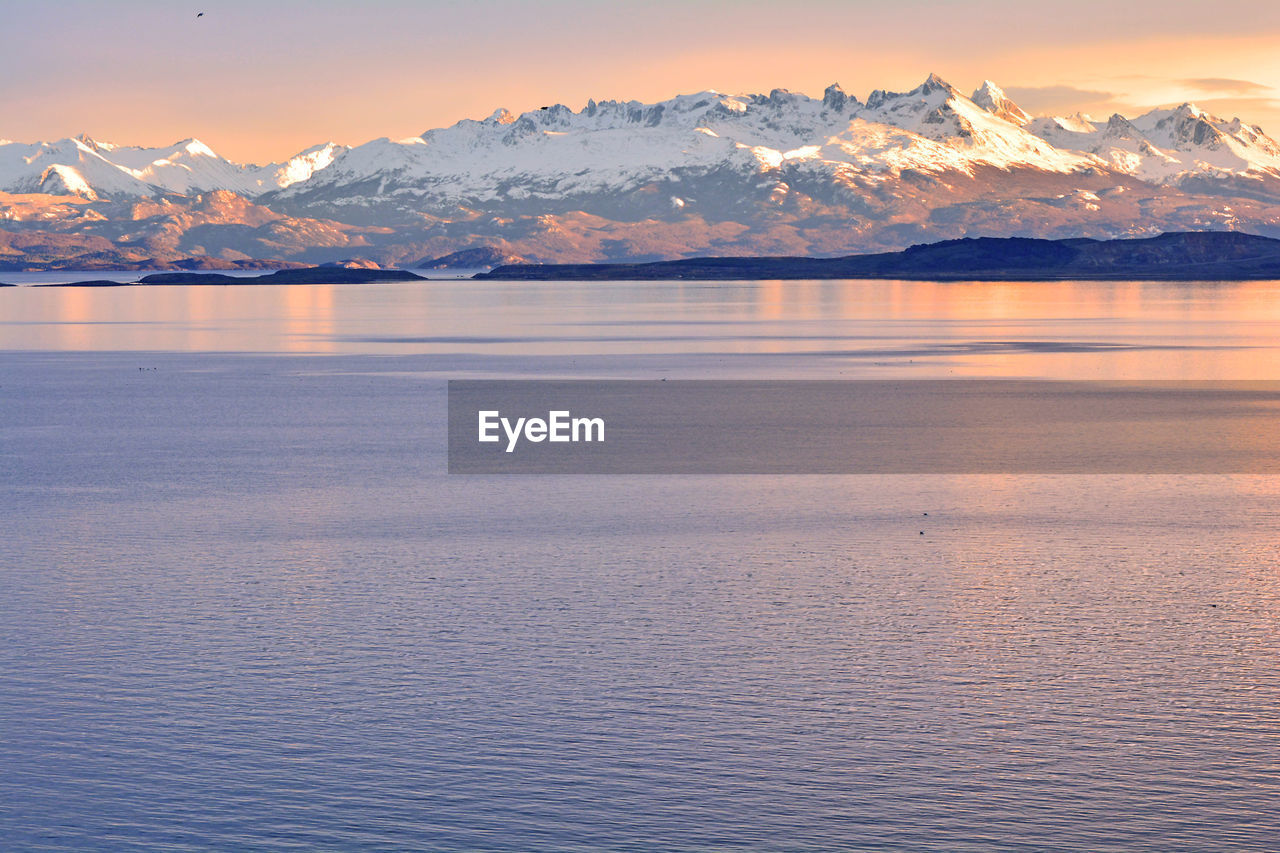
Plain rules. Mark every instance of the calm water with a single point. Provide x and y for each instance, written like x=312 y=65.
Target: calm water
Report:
x=243 y=608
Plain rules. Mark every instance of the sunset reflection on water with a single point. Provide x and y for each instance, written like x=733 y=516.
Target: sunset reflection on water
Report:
x=1078 y=330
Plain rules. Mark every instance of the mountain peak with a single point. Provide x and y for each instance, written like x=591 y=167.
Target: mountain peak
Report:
x=89 y=142
x=931 y=86
x=194 y=146
x=834 y=98
x=992 y=98
x=988 y=91
x=1118 y=122
x=933 y=83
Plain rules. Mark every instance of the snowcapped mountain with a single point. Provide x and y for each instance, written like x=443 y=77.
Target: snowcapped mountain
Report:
x=992 y=98
x=298 y=168
x=85 y=167
x=609 y=147
x=556 y=152
x=1168 y=146
x=712 y=152
x=780 y=173
x=67 y=167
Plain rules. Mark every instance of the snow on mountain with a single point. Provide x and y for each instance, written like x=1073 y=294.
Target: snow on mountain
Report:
x=616 y=146
x=552 y=152
x=936 y=111
x=185 y=167
x=613 y=146
x=1210 y=142
x=992 y=98
x=92 y=169
x=66 y=167
x=298 y=168
x=1167 y=146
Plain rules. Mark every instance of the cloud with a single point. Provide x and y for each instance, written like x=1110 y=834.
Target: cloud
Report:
x=1043 y=99
x=1225 y=85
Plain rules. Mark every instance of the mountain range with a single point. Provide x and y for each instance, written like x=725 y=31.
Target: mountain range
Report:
x=701 y=174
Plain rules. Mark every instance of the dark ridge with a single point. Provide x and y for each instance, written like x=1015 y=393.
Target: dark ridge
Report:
x=1179 y=256
x=307 y=275
x=196 y=278
x=94 y=282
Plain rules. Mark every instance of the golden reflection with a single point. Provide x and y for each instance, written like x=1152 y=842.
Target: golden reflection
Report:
x=76 y=311
x=200 y=311
x=1072 y=329
x=1065 y=330
x=308 y=318
x=774 y=297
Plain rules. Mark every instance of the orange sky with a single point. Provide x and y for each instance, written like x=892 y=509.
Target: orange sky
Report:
x=259 y=81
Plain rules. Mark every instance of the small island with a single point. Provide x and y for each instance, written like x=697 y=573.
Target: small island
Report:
x=305 y=275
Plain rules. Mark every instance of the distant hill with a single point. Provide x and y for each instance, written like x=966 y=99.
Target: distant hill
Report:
x=1184 y=256
x=474 y=258
x=305 y=275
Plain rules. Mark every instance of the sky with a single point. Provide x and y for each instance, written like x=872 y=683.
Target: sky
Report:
x=259 y=80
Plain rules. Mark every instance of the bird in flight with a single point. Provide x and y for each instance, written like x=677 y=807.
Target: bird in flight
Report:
x=199 y=14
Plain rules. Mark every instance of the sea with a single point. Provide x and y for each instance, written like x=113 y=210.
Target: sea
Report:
x=244 y=607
